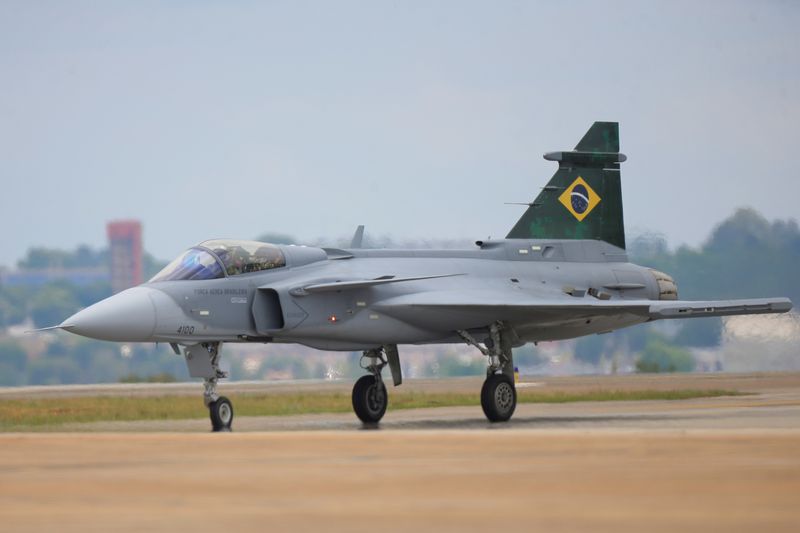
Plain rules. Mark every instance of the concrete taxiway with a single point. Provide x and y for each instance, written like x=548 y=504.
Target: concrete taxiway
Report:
x=728 y=463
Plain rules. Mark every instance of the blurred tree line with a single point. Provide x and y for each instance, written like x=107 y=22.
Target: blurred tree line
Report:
x=745 y=256
x=68 y=358
x=73 y=359
x=82 y=257
x=49 y=304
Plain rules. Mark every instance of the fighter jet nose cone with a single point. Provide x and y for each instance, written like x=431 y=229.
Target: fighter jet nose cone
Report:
x=129 y=316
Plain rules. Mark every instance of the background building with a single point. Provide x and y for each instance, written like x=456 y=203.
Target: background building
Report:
x=125 y=254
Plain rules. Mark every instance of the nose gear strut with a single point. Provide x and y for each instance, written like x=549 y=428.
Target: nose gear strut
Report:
x=203 y=362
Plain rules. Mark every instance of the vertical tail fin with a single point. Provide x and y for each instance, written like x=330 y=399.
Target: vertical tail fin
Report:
x=358 y=237
x=583 y=199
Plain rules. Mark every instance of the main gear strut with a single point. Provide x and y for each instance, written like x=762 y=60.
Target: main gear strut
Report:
x=498 y=394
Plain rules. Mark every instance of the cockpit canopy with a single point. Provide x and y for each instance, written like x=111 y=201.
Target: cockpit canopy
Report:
x=222 y=258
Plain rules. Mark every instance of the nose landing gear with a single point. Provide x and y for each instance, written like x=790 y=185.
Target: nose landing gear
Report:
x=203 y=362
x=221 y=413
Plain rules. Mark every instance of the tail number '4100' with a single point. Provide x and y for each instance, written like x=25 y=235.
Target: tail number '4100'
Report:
x=185 y=330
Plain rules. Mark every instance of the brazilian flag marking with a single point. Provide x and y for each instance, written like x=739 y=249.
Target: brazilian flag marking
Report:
x=579 y=199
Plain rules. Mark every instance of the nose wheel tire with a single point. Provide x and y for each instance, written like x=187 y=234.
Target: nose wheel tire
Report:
x=370 y=399
x=221 y=413
x=498 y=398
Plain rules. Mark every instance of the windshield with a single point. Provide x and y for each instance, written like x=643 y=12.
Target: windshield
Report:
x=193 y=264
x=216 y=259
x=244 y=257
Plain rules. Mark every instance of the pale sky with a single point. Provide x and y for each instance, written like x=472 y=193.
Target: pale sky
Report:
x=418 y=119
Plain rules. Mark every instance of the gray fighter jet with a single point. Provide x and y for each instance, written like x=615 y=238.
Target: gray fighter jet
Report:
x=561 y=272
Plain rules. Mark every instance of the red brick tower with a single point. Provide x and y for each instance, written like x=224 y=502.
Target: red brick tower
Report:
x=125 y=250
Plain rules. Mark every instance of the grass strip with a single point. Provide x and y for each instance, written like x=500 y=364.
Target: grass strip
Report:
x=20 y=414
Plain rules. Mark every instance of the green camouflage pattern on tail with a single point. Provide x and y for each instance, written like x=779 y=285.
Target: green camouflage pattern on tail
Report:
x=583 y=199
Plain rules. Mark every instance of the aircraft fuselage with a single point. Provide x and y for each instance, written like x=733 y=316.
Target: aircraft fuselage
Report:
x=272 y=305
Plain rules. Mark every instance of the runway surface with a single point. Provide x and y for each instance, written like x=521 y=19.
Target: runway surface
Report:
x=730 y=463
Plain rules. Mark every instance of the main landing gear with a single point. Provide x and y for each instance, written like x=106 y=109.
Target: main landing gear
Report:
x=498 y=394
x=498 y=397
x=203 y=362
x=370 y=398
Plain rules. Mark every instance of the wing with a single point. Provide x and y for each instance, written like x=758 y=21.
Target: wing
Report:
x=365 y=283
x=687 y=309
x=514 y=306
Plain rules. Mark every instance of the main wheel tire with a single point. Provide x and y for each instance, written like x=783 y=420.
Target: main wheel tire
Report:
x=370 y=399
x=498 y=398
x=221 y=413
